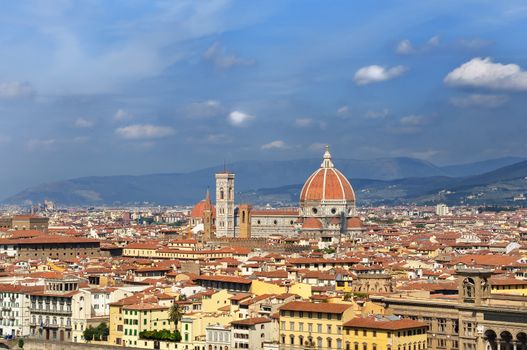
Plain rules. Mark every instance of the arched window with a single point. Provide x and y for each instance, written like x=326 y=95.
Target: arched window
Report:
x=222 y=193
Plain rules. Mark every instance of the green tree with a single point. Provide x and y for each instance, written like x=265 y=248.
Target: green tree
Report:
x=20 y=343
x=175 y=314
x=102 y=331
x=89 y=333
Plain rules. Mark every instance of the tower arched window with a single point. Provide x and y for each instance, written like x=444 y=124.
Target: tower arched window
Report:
x=222 y=193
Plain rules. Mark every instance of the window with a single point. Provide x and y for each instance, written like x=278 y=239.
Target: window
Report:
x=329 y=328
x=301 y=326
x=468 y=328
x=374 y=333
x=441 y=325
x=291 y=326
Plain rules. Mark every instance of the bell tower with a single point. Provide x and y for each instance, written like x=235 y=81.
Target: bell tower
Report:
x=207 y=218
x=225 y=204
x=244 y=221
x=473 y=285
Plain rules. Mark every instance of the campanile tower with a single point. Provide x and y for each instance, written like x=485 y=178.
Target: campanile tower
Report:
x=225 y=204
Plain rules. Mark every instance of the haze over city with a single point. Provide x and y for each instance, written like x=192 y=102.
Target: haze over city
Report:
x=106 y=88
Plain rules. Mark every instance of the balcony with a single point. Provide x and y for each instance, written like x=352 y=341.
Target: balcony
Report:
x=50 y=311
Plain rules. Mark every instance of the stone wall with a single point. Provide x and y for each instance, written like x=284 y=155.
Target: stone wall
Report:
x=33 y=344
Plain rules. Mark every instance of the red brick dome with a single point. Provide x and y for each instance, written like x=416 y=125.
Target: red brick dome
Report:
x=327 y=183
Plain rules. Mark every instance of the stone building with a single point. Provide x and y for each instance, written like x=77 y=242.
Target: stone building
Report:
x=25 y=222
x=49 y=246
x=59 y=311
x=475 y=320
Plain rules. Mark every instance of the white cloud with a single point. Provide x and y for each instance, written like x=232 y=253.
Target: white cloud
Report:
x=343 y=111
x=15 y=89
x=83 y=123
x=405 y=47
x=375 y=74
x=479 y=100
x=278 y=144
x=371 y=114
x=413 y=120
x=144 y=131
x=38 y=144
x=483 y=73
x=433 y=41
x=204 y=109
x=238 y=118
x=303 y=122
x=217 y=55
x=121 y=115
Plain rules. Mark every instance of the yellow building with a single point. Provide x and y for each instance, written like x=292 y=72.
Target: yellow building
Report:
x=262 y=287
x=216 y=301
x=508 y=286
x=144 y=317
x=370 y=333
x=307 y=324
x=116 y=319
x=193 y=326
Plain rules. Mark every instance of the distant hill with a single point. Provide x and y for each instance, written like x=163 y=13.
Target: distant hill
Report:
x=479 y=167
x=498 y=187
x=383 y=180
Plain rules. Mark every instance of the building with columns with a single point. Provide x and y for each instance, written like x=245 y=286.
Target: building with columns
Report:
x=474 y=320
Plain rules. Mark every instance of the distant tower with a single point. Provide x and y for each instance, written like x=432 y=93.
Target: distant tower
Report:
x=244 y=220
x=207 y=218
x=225 y=204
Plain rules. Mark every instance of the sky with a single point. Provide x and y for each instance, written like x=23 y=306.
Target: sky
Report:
x=137 y=87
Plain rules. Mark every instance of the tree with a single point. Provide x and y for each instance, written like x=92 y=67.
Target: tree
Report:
x=102 y=331
x=175 y=314
x=89 y=333
x=20 y=343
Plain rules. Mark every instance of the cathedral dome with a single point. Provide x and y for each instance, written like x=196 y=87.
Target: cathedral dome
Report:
x=327 y=184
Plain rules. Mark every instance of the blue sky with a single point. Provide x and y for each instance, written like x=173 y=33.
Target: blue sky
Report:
x=134 y=87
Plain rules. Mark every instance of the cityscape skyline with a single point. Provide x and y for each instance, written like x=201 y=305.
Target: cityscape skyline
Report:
x=150 y=87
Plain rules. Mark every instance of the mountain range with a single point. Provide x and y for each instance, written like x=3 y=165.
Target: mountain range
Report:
x=376 y=181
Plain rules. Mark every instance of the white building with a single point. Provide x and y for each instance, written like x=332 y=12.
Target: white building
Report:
x=442 y=210
x=252 y=333
x=14 y=320
x=218 y=337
